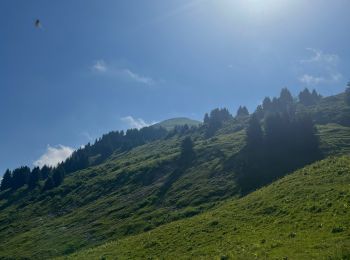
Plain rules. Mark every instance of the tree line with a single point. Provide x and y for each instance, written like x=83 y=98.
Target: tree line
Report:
x=274 y=124
x=278 y=140
x=89 y=155
x=284 y=103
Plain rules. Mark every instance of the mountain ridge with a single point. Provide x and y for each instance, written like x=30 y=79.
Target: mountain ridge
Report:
x=171 y=123
x=118 y=196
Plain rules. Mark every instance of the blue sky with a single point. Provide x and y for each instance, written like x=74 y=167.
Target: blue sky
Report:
x=97 y=66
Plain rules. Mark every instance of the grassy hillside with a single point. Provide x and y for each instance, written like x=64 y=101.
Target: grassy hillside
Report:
x=331 y=109
x=302 y=216
x=335 y=139
x=120 y=196
x=169 y=124
x=117 y=198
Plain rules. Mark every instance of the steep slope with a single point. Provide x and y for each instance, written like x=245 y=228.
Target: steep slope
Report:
x=335 y=139
x=302 y=216
x=332 y=109
x=133 y=188
x=120 y=197
x=117 y=198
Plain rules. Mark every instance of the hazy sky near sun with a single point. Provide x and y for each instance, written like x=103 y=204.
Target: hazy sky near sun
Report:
x=97 y=66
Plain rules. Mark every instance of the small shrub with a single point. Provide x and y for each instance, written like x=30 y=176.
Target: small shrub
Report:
x=337 y=229
x=214 y=223
x=292 y=235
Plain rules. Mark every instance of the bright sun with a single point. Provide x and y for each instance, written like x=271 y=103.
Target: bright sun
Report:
x=256 y=10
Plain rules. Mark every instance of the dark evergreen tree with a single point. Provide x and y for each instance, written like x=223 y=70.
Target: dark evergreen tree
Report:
x=307 y=141
x=242 y=112
x=216 y=119
x=305 y=97
x=289 y=143
x=34 y=177
x=45 y=172
x=48 y=185
x=286 y=97
x=259 y=112
x=187 y=152
x=20 y=177
x=315 y=96
x=6 y=181
x=206 y=119
x=58 y=175
x=254 y=136
x=275 y=105
x=267 y=104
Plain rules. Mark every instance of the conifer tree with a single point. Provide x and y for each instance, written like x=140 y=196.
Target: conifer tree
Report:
x=286 y=97
x=305 y=97
x=254 y=132
x=20 y=177
x=187 y=152
x=45 y=172
x=34 y=177
x=206 y=119
x=242 y=112
x=58 y=176
x=315 y=96
x=259 y=112
x=48 y=185
x=266 y=105
x=6 y=181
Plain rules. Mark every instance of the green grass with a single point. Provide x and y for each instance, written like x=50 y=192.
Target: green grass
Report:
x=304 y=215
x=335 y=139
x=119 y=199
x=331 y=109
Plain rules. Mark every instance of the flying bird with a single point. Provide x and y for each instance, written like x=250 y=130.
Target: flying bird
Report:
x=37 y=24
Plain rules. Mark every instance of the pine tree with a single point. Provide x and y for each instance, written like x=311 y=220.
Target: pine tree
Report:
x=305 y=97
x=266 y=104
x=206 y=119
x=45 y=172
x=187 y=152
x=242 y=112
x=6 y=181
x=20 y=177
x=34 y=177
x=315 y=96
x=48 y=185
x=216 y=119
x=58 y=176
x=259 y=112
x=254 y=136
x=286 y=97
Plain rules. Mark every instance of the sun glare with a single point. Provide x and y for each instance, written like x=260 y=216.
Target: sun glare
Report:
x=258 y=8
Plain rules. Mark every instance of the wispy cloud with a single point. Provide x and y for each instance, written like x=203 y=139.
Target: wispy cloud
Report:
x=99 y=66
x=138 y=78
x=320 y=57
x=54 y=155
x=138 y=123
x=102 y=68
x=311 y=80
x=320 y=68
